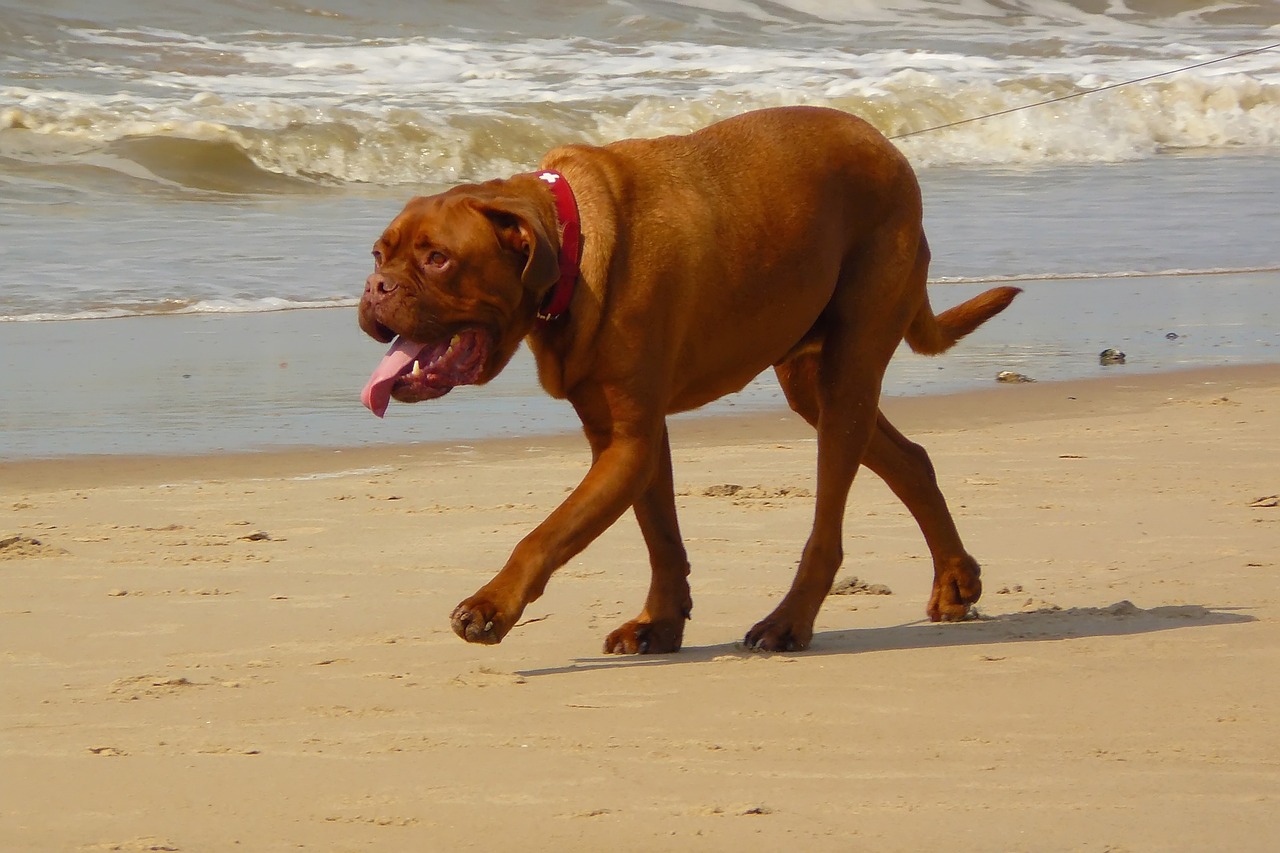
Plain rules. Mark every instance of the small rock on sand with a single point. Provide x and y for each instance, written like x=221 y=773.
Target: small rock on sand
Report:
x=854 y=586
x=1121 y=608
x=18 y=546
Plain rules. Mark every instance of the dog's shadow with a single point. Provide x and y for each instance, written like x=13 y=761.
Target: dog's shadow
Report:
x=1119 y=619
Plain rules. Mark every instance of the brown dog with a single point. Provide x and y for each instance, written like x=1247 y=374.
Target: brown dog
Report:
x=788 y=238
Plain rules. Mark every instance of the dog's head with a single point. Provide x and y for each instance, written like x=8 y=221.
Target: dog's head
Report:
x=457 y=278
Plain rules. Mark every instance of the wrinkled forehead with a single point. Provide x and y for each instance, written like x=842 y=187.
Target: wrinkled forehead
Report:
x=443 y=219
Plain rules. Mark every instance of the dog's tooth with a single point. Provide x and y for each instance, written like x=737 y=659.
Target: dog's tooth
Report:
x=454 y=341
x=417 y=368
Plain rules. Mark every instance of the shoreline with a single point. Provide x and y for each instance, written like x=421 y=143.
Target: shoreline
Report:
x=214 y=308
x=913 y=415
x=182 y=385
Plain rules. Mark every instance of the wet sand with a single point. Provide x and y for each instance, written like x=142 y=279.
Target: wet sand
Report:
x=291 y=379
x=252 y=651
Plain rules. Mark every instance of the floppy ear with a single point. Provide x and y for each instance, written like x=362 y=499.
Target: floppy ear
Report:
x=520 y=231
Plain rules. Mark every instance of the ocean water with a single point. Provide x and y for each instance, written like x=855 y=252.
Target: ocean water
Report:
x=179 y=172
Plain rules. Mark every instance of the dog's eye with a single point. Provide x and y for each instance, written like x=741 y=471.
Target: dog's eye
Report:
x=377 y=259
x=437 y=260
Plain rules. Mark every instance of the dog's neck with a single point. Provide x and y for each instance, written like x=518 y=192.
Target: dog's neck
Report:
x=556 y=303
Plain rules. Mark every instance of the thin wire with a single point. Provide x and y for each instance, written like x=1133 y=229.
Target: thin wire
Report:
x=1087 y=92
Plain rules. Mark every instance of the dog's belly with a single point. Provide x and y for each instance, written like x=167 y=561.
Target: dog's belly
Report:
x=693 y=397
x=705 y=372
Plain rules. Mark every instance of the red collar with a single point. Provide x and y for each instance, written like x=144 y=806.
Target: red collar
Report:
x=557 y=300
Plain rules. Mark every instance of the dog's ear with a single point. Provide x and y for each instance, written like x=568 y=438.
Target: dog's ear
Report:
x=521 y=232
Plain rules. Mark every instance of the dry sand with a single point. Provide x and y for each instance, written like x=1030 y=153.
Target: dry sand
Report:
x=252 y=652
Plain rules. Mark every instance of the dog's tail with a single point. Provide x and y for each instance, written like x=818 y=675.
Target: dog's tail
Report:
x=930 y=334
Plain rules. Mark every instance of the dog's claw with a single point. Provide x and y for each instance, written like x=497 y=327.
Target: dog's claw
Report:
x=478 y=621
x=957 y=585
x=775 y=635
x=646 y=638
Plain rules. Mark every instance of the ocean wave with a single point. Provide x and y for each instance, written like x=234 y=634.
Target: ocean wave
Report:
x=1095 y=276
x=24 y=24
x=173 y=307
x=278 y=146
x=197 y=98
x=1114 y=18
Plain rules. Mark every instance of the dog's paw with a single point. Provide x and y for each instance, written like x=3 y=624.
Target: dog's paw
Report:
x=646 y=638
x=957 y=585
x=778 y=634
x=477 y=620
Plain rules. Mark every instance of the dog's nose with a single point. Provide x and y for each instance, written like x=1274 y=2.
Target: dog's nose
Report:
x=378 y=285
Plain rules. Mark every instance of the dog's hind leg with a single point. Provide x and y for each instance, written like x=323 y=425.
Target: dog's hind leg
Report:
x=843 y=434
x=906 y=469
x=859 y=331
x=659 y=629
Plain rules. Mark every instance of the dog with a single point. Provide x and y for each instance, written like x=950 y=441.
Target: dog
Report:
x=652 y=276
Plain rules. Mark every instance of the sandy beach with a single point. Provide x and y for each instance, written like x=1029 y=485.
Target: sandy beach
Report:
x=251 y=652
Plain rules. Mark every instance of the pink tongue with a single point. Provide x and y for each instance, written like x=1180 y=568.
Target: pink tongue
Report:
x=377 y=391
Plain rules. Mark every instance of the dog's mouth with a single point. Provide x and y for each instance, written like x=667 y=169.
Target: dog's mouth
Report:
x=412 y=371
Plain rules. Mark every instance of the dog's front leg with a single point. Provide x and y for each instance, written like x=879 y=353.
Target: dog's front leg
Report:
x=623 y=463
x=659 y=629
